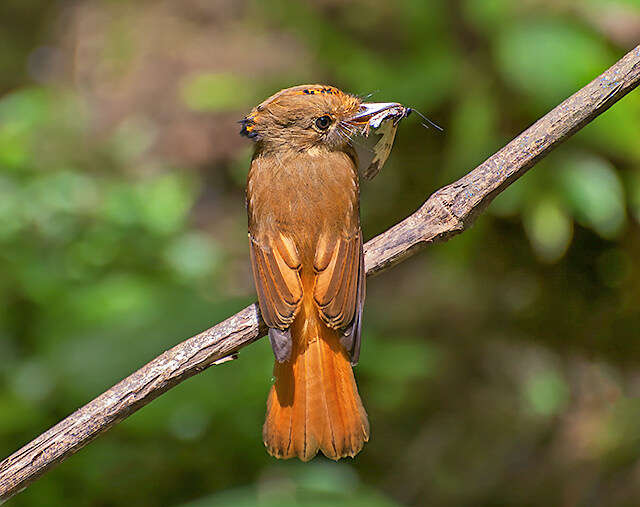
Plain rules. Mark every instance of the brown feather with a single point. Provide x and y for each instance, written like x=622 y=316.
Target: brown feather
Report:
x=336 y=287
x=278 y=285
x=314 y=404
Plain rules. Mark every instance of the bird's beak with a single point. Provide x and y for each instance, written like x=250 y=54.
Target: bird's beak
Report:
x=370 y=109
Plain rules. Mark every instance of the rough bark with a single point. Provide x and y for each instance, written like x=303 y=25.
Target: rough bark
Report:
x=449 y=211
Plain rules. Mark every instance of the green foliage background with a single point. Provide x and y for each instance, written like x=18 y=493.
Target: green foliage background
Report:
x=500 y=368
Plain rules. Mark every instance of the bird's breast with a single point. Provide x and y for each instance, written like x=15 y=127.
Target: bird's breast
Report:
x=304 y=196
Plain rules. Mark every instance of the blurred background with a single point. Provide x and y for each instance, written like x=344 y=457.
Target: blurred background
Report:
x=503 y=370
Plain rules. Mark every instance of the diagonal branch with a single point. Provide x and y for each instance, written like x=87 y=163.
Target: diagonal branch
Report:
x=449 y=211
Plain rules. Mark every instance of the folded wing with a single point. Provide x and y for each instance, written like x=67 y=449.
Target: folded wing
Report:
x=339 y=287
x=276 y=272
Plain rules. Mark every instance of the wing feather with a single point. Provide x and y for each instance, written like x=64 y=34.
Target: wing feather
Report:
x=276 y=271
x=337 y=280
x=328 y=279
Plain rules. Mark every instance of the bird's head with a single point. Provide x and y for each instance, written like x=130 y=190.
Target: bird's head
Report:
x=302 y=117
x=306 y=117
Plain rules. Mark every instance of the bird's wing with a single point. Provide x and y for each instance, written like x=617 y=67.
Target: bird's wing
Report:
x=339 y=287
x=276 y=272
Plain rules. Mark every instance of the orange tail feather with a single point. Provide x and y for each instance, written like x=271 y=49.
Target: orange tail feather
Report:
x=314 y=404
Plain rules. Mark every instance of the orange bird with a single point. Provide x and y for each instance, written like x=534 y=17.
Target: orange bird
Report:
x=308 y=266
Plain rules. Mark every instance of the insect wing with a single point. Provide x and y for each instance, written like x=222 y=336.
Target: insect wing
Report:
x=382 y=149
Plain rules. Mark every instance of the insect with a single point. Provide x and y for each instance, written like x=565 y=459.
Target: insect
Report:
x=383 y=119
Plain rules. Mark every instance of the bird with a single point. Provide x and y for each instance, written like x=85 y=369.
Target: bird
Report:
x=307 y=261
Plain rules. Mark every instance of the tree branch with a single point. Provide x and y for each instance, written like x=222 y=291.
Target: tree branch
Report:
x=448 y=212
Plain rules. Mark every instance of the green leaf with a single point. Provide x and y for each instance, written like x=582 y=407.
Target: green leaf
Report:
x=593 y=191
x=166 y=202
x=487 y=14
x=11 y=218
x=193 y=255
x=617 y=130
x=474 y=125
x=546 y=392
x=548 y=60
x=113 y=298
x=20 y=113
x=549 y=229
x=160 y=204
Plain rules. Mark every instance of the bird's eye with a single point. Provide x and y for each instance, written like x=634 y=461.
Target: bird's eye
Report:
x=323 y=122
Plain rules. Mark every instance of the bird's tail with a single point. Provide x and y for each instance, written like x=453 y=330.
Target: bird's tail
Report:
x=314 y=403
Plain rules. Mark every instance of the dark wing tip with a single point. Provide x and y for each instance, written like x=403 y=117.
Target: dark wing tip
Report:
x=281 y=343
